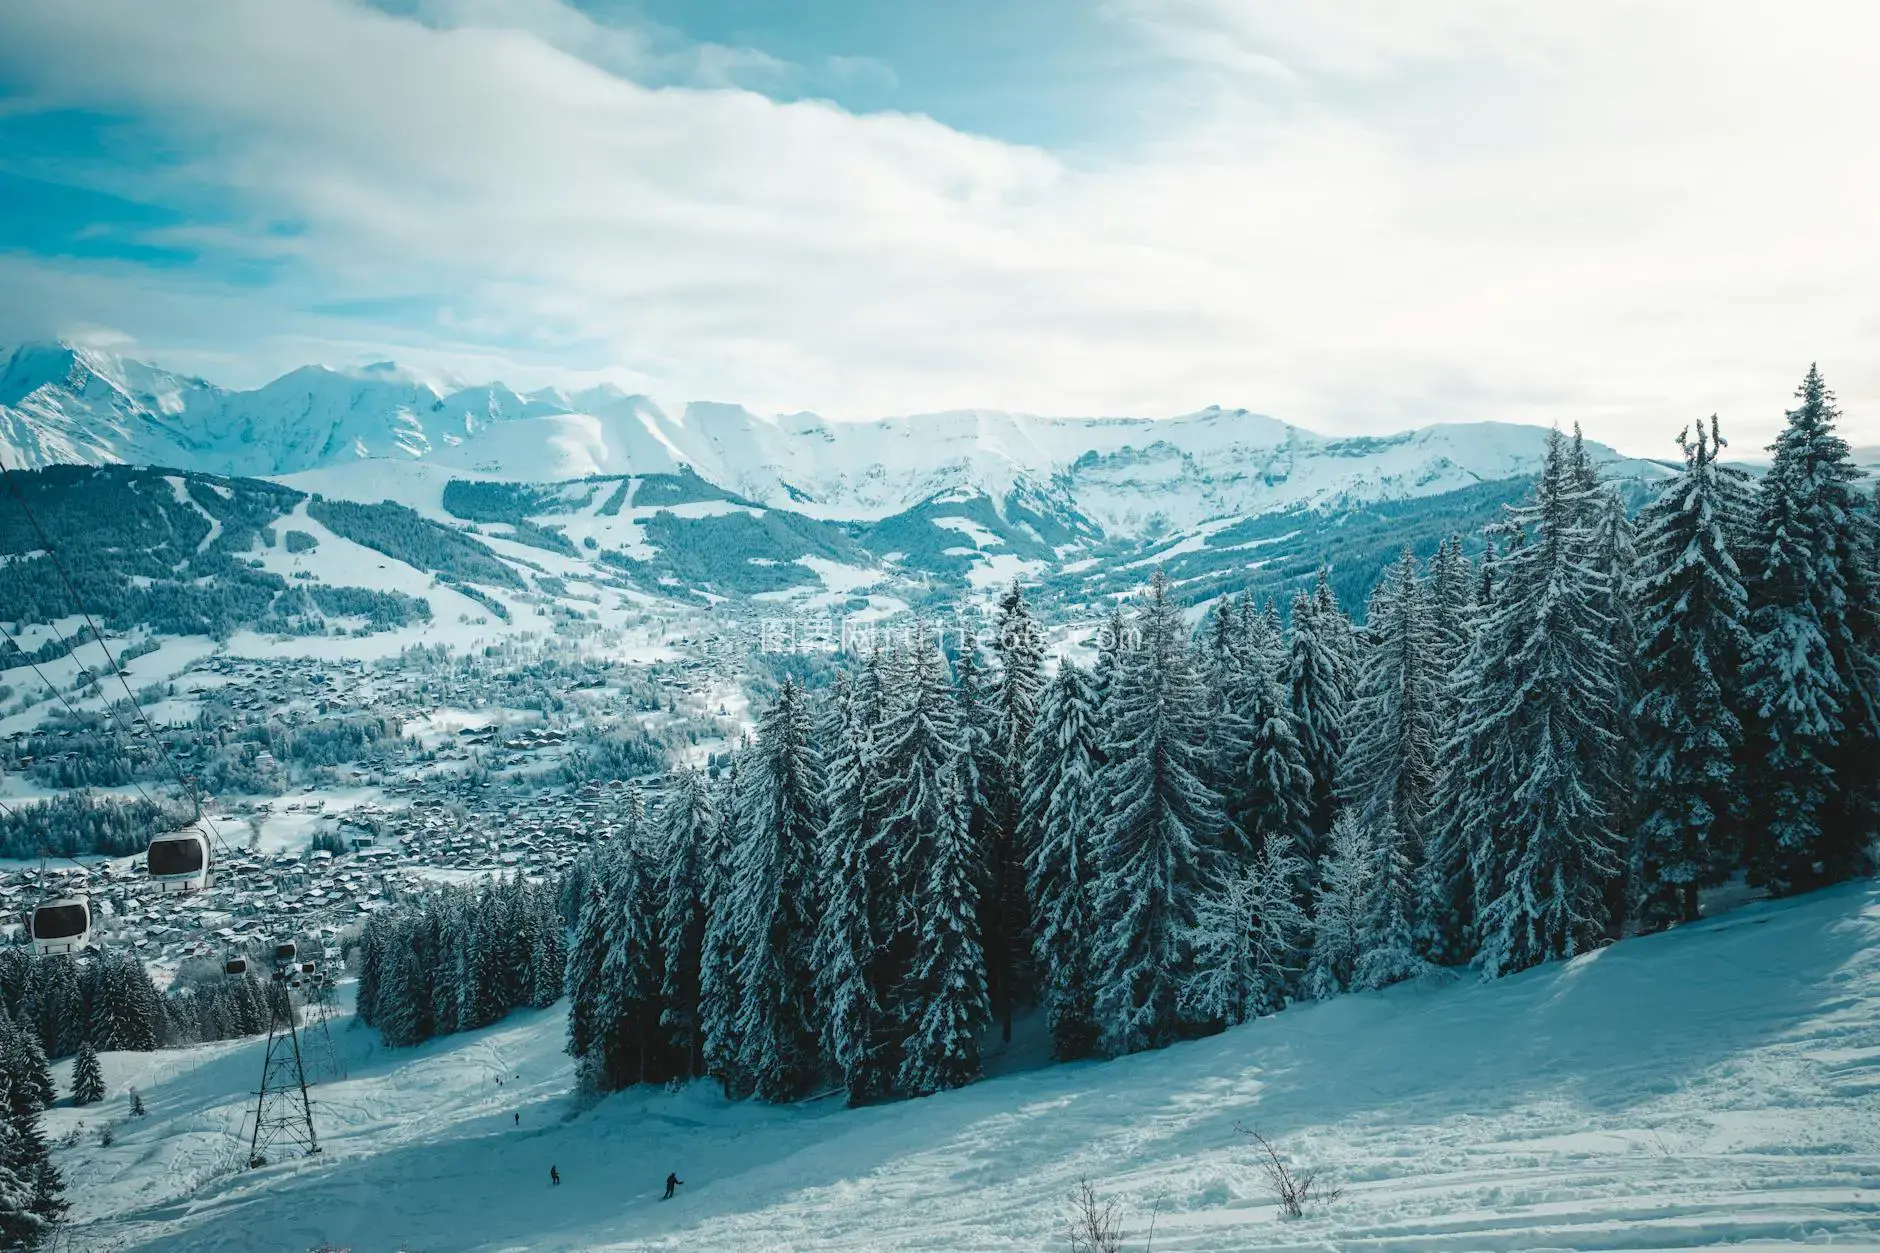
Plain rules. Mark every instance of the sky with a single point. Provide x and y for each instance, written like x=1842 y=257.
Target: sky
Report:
x=1356 y=217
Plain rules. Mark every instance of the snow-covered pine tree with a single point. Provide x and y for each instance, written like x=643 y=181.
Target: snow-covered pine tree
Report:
x=1808 y=676
x=983 y=778
x=1692 y=616
x=1388 y=939
x=1158 y=845
x=946 y=1005
x=1230 y=671
x=27 y=1164
x=1250 y=933
x=20 y=1227
x=630 y=1006
x=1537 y=738
x=685 y=830
x=87 y=1076
x=1320 y=678
x=918 y=750
x=587 y=959
x=1115 y=640
x=720 y=995
x=845 y=948
x=1338 y=917
x=772 y=901
x=1065 y=757
x=1019 y=647
x=1390 y=765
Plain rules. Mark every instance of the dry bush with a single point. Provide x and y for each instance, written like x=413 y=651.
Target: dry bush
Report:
x=1095 y=1226
x=1293 y=1188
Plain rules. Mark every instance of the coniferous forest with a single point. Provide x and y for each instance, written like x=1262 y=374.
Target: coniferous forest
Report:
x=1515 y=758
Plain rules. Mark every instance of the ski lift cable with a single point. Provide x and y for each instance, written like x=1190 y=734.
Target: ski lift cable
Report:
x=69 y=707
x=45 y=542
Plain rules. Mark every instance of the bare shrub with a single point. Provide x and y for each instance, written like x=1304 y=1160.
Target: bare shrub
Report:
x=1095 y=1225
x=1293 y=1188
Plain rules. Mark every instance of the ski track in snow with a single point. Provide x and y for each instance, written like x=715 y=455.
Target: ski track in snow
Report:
x=1715 y=1087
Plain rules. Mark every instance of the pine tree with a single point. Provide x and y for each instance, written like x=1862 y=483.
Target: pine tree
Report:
x=919 y=751
x=1391 y=763
x=631 y=974
x=1065 y=759
x=1393 y=897
x=845 y=950
x=947 y=986
x=983 y=776
x=1158 y=843
x=1250 y=931
x=1536 y=740
x=772 y=902
x=1810 y=680
x=20 y=1226
x=1231 y=674
x=1019 y=646
x=1338 y=919
x=87 y=1076
x=720 y=995
x=685 y=830
x=1319 y=669
x=1692 y=624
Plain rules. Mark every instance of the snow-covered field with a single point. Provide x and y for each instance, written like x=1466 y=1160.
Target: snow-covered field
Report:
x=1714 y=1087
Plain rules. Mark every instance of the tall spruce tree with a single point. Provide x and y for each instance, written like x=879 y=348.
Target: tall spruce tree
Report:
x=1692 y=616
x=1065 y=758
x=851 y=871
x=1390 y=765
x=720 y=993
x=686 y=821
x=773 y=904
x=1811 y=677
x=1019 y=646
x=1537 y=738
x=1158 y=847
x=1319 y=669
x=919 y=752
x=945 y=994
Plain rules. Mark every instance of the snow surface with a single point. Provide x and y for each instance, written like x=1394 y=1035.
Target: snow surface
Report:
x=1714 y=1087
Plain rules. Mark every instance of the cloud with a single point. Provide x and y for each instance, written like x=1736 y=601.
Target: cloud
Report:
x=1620 y=214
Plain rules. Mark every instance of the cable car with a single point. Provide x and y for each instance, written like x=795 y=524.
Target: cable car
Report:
x=180 y=861
x=235 y=966
x=306 y=968
x=61 y=925
x=285 y=952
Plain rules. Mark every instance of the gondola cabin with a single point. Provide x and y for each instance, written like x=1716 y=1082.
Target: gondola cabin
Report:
x=306 y=968
x=285 y=952
x=62 y=925
x=235 y=966
x=180 y=861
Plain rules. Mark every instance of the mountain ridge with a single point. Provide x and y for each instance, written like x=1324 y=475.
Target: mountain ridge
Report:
x=1128 y=476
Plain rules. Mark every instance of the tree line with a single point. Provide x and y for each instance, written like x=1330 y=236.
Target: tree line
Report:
x=460 y=958
x=1511 y=761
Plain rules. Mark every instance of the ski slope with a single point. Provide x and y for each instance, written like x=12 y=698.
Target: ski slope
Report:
x=1718 y=1086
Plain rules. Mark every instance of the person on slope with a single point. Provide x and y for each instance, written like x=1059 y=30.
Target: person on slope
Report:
x=554 y=1177
x=672 y=1181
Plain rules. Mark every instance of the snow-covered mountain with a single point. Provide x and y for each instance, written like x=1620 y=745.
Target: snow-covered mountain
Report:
x=1129 y=476
x=61 y=403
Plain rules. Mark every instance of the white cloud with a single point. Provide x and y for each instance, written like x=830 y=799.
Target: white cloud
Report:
x=1626 y=215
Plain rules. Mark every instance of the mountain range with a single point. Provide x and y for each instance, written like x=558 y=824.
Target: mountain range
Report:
x=1119 y=477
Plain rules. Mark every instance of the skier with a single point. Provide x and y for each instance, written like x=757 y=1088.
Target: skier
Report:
x=672 y=1181
x=554 y=1177
x=518 y=1120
